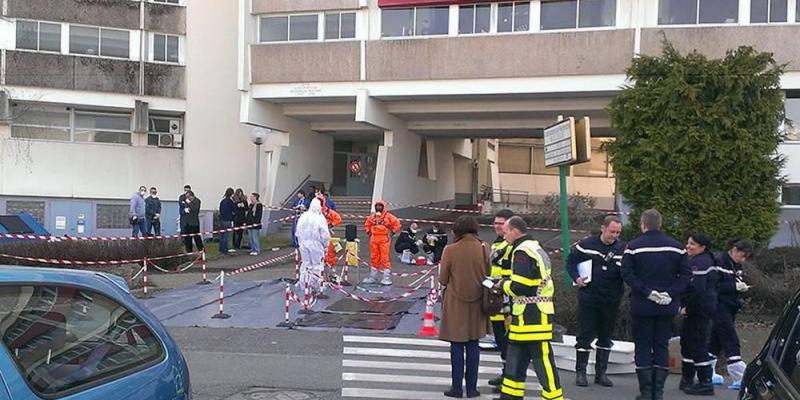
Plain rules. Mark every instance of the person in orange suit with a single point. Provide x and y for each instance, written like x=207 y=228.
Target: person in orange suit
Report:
x=334 y=219
x=380 y=227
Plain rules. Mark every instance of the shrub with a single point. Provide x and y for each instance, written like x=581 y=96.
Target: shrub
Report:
x=697 y=139
x=580 y=212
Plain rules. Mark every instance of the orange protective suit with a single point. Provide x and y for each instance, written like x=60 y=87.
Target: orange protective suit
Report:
x=380 y=229
x=334 y=219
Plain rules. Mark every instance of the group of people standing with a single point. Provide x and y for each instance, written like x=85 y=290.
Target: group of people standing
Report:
x=666 y=278
x=145 y=213
x=312 y=231
x=236 y=211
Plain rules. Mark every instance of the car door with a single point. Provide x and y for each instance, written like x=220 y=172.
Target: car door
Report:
x=70 y=342
x=775 y=374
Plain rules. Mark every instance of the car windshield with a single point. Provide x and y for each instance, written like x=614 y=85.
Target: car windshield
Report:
x=63 y=338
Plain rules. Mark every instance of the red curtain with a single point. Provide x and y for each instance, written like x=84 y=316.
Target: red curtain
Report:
x=416 y=3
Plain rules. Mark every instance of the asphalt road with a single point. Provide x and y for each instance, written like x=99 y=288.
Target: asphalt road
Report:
x=265 y=364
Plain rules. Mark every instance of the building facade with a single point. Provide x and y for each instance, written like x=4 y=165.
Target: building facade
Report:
x=412 y=101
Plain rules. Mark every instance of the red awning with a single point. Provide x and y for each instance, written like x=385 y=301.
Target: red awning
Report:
x=417 y=3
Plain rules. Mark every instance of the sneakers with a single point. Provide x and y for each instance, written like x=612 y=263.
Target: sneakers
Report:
x=369 y=280
x=253 y=253
x=231 y=250
x=386 y=280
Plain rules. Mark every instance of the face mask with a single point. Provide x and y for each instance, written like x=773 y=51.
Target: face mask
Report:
x=142 y=193
x=379 y=210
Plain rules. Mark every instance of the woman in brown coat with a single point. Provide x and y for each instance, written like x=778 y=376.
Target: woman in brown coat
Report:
x=465 y=264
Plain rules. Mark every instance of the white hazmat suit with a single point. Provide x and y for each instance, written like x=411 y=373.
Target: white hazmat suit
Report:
x=312 y=236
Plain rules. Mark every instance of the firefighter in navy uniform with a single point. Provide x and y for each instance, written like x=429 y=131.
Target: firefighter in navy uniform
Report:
x=500 y=269
x=531 y=289
x=723 y=329
x=699 y=303
x=656 y=268
x=598 y=299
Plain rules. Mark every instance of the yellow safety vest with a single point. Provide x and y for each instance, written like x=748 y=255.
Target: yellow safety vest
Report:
x=531 y=321
x=501 y=267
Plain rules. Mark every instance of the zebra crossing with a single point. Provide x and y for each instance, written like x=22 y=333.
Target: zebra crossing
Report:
x=398 y=367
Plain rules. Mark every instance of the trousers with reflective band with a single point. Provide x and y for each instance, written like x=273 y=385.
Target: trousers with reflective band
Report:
x=540 y=356
x=501 y=268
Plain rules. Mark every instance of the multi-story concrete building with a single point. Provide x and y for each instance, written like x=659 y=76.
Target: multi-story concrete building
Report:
x=413 y=101
x=94 y=103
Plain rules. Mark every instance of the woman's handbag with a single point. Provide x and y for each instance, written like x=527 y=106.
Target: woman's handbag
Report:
x=492 y=296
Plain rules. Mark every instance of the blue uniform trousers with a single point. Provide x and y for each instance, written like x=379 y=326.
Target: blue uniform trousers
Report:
x=694 y=339
x=723 y=335
x=651 y=336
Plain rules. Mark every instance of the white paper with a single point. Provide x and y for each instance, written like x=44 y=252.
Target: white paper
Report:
x=61 y=223
x=585 y=271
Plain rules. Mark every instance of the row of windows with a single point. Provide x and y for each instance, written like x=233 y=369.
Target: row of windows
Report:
x=91 y=40
x=528 y=158
x=107 y=216
x=284 y=28
x=39 y=122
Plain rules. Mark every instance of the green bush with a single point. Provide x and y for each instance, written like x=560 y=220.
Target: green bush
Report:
x=697 y=139
x=93 y=251
x=581 y=212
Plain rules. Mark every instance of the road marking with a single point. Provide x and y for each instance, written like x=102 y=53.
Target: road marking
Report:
x=413 y=380
x=373 y=365
x=442 y=355
x=396 y=340
x=404 y=394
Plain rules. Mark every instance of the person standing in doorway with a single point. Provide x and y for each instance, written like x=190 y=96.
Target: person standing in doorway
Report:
x=254 y=214
x=656 y=268
x=152 y=206
x=137 y=215
x=190 y=222
x=239 y=217
x=599 y=297
x=226 y=214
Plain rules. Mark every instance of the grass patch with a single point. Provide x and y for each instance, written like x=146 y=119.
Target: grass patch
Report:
x=267 y=243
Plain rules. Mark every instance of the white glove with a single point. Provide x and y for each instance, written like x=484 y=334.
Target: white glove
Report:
x=741 y=287
x=655 y=297
x=419 y=243
x=135 y=218
x=666 y=299
x=186 y=210
x=157 y=216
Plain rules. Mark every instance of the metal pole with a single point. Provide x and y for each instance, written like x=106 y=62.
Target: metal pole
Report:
x=564 y=221
x=258 y=169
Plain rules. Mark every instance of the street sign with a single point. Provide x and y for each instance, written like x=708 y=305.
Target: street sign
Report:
x=559 y=143
x=583 y=141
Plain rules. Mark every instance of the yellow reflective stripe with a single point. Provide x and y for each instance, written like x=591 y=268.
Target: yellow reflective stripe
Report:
x=554 y=395
x=531 y=328
x=548 y=369
x=506 y=272
x=530 y=337
x=497 y=318
x=513 y=385
x=507 y=288
x=512 y=392
x=525 y=281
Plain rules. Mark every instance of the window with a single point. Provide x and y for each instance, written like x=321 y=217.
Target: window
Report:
x=763 y=11
x=673 y=12
x=41 y=36
x=422 y=168
x=797 y=12
x=113 y=216
x=419 y=21
x=597 y=166
x=160 y=126
x=474 y=18
x=513 y=17
x=99 y=41
x=84 y=336
x=34 y=208
x=340 y=26
x=165 y=48
x=514 y=159
x=569 y=14
x=790 y=195
x=102 y=127
x=289 y=28
x=40 y=122
x=167 y=1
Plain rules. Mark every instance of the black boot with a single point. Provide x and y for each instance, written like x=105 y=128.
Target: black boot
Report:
x=582 y=361
x=704 y=387
x=496 y=381
x=600 y=368
x=687 y=376
x=645 y=377
x=659 y=380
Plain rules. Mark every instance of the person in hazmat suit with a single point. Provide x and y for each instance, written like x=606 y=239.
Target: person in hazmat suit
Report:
x=313 y=237
x=381 y=226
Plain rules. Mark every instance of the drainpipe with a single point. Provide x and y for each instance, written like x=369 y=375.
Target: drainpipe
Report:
x=142 y=43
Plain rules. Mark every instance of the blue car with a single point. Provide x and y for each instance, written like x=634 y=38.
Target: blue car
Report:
x=69 y=334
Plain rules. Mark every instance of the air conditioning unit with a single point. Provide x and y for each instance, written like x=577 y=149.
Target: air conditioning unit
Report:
x=175 y=126
x=171 y=141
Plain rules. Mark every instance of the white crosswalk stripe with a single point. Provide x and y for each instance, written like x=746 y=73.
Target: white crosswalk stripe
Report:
x=394 y=367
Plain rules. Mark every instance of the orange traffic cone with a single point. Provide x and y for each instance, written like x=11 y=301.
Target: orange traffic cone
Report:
x=428 y=321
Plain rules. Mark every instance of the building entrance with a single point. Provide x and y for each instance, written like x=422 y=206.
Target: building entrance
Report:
x=354 y=166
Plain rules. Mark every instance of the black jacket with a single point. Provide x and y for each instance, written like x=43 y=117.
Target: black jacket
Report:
x=240 y=211
x=606 y=285
x=728 y=272
x=254 y=215
x=654 y=261
x=190 y=217
x=701 y=298
x=406 y=237
x=152 y=206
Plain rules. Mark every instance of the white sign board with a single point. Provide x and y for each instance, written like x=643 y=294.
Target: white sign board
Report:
x=559 y=143
x=61 y=223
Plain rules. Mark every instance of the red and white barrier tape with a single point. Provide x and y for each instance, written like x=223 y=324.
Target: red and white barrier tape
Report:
x=260 y=264
x=60 y=261
x=179 y=270
x=133 y=238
